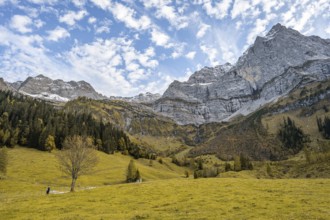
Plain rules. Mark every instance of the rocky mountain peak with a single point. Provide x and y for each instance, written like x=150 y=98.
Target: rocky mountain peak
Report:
x=43 y=87
x=209 y=74
x=271 y=67
x=281 y=48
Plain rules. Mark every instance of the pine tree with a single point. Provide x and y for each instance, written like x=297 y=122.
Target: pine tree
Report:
x=131 y=172
x=291 y=136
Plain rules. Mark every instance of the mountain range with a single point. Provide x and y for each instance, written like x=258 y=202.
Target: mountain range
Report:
x=225 y=110
x=271 y=68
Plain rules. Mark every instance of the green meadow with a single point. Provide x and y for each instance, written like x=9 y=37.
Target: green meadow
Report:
x=164 y=194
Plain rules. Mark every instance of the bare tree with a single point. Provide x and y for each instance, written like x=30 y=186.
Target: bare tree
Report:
x=78 y=157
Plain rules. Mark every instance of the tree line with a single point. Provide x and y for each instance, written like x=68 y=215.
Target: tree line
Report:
x=37 y=124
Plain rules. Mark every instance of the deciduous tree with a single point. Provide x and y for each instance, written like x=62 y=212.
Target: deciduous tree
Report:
x=78 y=157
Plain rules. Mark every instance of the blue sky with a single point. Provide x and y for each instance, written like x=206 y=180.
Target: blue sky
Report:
x=127 y=47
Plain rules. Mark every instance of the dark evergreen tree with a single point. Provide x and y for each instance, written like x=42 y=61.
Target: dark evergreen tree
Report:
x=291 y=136
x=324 y=126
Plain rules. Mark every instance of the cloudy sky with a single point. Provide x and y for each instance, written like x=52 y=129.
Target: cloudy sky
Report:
x=125 y=47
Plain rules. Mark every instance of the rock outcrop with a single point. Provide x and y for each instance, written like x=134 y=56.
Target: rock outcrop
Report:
x=272 y=67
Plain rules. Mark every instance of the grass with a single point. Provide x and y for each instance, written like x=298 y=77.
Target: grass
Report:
x=164 y=195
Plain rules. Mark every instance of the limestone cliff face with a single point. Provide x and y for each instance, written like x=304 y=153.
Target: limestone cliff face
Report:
x=144 y=98
x=272 y=67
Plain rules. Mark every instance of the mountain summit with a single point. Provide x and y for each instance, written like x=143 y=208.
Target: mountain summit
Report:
x=57 y=90
x=272 y=67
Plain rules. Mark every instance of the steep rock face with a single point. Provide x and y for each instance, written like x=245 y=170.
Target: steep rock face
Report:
x=280 y=49
x=144 y=98
x=270 y=68
x=58 y=90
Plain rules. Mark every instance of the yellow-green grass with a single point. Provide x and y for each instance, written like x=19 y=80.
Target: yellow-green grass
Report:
x=37 y=169
x=179 y=199
x=162 y=145
x=165 y=195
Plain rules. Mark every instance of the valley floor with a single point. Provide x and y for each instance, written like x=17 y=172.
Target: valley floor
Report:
x=22 y=194
x=178 y=199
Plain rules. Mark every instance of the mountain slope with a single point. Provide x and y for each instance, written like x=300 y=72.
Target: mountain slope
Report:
x=255 y=135
x=272 y=67
x=4 y=86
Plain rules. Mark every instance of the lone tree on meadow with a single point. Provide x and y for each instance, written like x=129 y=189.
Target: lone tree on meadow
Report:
x=133 y=174
x=78 y=157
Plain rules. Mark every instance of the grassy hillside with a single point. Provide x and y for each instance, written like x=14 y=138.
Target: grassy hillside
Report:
x=37 y=169
x=165 y=195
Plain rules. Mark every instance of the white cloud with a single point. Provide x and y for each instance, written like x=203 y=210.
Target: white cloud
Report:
x=21 y=23
x=218 y=10
x=104 y=4
x=175 y=54
x=39 y=23
x=238 y=25
x=327 y=30
x=146 y=58
x=301 y=15
x=228 y=53
x=260 y=28
x=91 y=20
x=102 y=29
x=191 y=55
x=202 y=30
x=211 y=53
x=114 y=64
x=128 y=16
x=160 y=38
x=72 y=17
x=57 y=34
x=25 y=56
x=167 y=11
x=99 y=62
x=51 y=2
x=79 y=3
x=245 y=8
x=124 y=14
